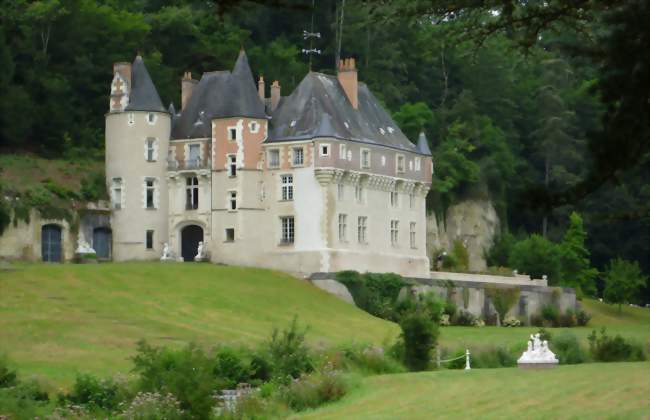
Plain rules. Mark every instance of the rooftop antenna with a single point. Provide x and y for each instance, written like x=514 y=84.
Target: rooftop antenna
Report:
x=310 y=36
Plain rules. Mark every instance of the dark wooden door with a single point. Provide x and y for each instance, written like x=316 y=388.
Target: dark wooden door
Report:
x=51 y=243
x=102 y=242
x=190 y=237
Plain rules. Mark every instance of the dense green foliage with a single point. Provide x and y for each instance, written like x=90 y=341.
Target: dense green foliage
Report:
x=420 y=336
x=622 y=281
x=503 y=299
x=576 y=270
x=605 y=348
x=537 y=256
x=375 y=293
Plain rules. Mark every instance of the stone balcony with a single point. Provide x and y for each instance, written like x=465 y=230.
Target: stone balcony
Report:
x=188 y=165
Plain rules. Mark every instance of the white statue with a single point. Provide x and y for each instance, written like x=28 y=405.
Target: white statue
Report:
x=538 y=354
x=167 y=253
x=200 y=253
x=83 y=247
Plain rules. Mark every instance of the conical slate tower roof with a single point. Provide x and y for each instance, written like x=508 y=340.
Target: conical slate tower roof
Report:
x=423 y=144
x=144 y=96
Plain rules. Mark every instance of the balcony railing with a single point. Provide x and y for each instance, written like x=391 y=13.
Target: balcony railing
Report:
x=187 y=165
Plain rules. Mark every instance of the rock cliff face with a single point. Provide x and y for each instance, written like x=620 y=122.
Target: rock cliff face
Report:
x=475 y=222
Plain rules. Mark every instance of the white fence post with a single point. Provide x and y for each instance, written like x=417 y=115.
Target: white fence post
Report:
x=467 y=366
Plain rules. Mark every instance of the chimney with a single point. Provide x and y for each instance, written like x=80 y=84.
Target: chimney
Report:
x=348 y=79
x=187 y=86
x=260 y=88
x=275 y=94
x=120 y=89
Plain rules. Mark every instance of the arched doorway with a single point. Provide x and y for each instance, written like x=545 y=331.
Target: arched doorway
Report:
x=102 y=239
x=190 y=237
x=51 y=243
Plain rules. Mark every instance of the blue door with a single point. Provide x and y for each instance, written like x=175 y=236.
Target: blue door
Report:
x=51 y=243
x=102 y=243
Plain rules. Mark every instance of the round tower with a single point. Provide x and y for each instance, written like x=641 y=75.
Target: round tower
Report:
x=138 y=129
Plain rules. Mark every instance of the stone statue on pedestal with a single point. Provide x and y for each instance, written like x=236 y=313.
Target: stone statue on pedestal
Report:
x=167 y=253
x=200 y=253
x=538 y=354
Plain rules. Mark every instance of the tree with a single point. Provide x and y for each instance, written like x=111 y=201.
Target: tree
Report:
x=413 y=118
x=502 y=299
x=537 y=256
x=420 y=336
x=623 y=280
x=576 y=268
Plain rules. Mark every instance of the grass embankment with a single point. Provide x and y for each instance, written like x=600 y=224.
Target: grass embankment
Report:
x=57 y=320
x=632 y=323
x=597 y=390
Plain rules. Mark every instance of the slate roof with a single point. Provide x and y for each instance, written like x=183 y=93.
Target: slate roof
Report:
x=319 y=107
x=144 y=96
x=423 y=144
x=219 y=94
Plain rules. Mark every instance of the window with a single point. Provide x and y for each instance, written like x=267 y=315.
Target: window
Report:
x=230 y=234
x=191 y=193
x=418 y=163
x=410 y=165
x=358 y=193
x=150 y=190
x=117 y=193
x=151 y=118
x=254 y=127
x=194 y=156
x=394 y=199
x=365 y=158
x=412 y=234
x=149 y=239
x=287 y=187
x=232 y=165
x=324 y=150
x=362 y=225
x=287 y=230
x=150 y=144
x=340 y=191
x=343 y=225
x=274 y=158
x=394 y=230
x=131 y=118
x=232 y=133
x=400 y=163
x=383 y=161
x=411 y=201
x=342 y=151
x=298 y=156
x=232 y=200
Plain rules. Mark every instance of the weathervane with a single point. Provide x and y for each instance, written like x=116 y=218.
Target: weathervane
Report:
x=310 y=35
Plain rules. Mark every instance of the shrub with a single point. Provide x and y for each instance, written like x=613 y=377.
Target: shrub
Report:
x=582 y=317
x=536 y=256
x=536 y=320
x=449 y=262
x=568 y=350
x=93 y=187
x=420 y=336
x=465 y=318
x=604 y=348
x=511 y=322
x=93 y=393
x=230 y=368
x=375 y=293
x=8 y=376
x=493 y=357
x=370 y=360
x=567 y=319
x=450 y=309
x=188 y=374
x=503 y=299
x=623 y=280
x=152 y=406
x=550 y=315
x=313 y=390
x=500 y=250
x=288 y=353
x=25 y=400
x=461 y=256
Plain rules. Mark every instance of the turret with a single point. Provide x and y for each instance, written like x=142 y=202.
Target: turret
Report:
x=137 y=140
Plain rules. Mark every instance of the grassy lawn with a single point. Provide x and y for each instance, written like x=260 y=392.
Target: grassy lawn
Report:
x=632 y=323
x=57 y=320
x=613 y=390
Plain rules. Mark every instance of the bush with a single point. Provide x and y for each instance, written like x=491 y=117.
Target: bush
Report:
x=499 y=253
x=420 y=336
x=8 y=376
x=465 y=318
x=544 y=335
x=314 y=390
x=230 y=368
x=567 y=319
x=449 y=262
x=188 y=374
x=604 y=348
x=550 y=315
x=582 y=317
x=24 y=400
x=152 y=406
x=369 y=360
x=460 y=255
x=375 y=293
x=450 y=309
x=93 y=187
x=93 y=393
x=502 y=298
x=511 y=322
x=289 y=355
x=568 y=350
x=537 y=256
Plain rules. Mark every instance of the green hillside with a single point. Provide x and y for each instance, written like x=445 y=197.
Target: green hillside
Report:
x=597 y=390
x=56 y=320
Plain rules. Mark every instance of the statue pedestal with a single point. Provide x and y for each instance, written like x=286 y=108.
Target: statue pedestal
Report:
x=201 y=259
x=536 y=365
x=85 y=258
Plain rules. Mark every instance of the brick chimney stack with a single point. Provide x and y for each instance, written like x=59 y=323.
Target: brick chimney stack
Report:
x=187 y=86
x=260 y=88
x=347 y=76
x=275 y=94
x=120 y=87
